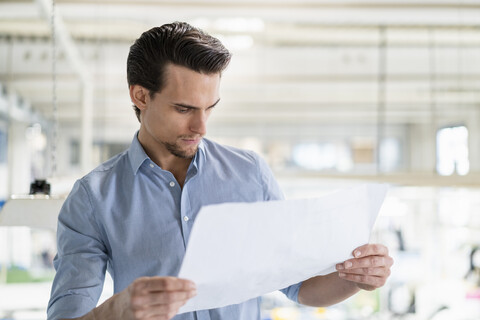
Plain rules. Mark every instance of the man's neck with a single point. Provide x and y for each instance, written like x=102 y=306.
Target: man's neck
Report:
x=165 y=159
x=179 y=169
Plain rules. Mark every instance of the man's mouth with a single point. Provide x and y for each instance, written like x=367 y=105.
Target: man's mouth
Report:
x=192 y=140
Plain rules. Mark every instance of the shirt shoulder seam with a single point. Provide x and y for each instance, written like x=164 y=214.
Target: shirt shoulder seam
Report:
x=259 y=172
x=89 y=197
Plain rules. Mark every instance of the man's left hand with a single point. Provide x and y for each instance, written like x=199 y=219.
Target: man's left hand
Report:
x=370 y=267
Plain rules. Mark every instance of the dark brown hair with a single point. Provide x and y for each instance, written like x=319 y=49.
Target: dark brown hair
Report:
x=178 y=43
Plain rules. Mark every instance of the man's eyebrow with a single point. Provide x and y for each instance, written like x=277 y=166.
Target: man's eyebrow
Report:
x=193 y=107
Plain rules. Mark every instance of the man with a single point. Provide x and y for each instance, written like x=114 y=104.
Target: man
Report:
x=133 y=214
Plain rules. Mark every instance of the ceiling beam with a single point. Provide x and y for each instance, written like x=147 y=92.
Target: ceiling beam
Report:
x=291 y=4
x=231 y=80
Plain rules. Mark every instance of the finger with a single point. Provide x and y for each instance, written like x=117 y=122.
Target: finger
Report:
x=170 y=284
x=368 y=262
x=379 y=272
x=163 y=311
x=162 y=297
x=153 y=284
x=372 y=281
x=370 y=250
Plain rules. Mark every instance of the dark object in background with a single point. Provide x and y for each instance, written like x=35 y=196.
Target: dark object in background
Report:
x=40 y=187
x=473 y=274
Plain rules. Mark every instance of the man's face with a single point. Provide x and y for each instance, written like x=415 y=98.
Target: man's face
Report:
x=175 y=119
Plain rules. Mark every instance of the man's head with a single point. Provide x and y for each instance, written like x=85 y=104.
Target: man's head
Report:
x=176 y=43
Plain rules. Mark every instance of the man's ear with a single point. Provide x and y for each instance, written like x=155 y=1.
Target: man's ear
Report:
x=138 y=95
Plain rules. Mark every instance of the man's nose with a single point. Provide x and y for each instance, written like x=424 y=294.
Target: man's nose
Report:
x=199 y=123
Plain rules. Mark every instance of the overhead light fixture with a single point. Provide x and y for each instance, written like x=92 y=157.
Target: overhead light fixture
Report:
x=236 y=42
x=239 y=24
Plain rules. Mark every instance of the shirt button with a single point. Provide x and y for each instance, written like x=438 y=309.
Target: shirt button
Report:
x=186 y=218
x=172 y=184
x=151 y=165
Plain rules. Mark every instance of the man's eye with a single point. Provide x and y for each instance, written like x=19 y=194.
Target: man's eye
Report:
x=183 y=110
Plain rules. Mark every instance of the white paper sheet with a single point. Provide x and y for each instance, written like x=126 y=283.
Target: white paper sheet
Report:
x=239 y=251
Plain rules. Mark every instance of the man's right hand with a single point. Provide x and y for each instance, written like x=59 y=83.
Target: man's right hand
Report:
x=157 y=297
x=145 y=298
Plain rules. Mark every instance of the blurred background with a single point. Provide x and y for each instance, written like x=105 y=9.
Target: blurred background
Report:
x=331 y=93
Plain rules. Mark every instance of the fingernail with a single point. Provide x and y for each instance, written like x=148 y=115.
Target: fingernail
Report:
x=340 y=266
x=357 y=253
x=191 y=285
x=348 y=264
x=341 y=274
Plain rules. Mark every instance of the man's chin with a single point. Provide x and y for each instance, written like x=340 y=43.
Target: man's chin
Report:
x=184 y=154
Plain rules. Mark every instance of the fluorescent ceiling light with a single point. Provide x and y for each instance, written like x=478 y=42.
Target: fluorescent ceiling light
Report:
x=239 y=24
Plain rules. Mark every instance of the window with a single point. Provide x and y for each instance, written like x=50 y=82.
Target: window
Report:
x=323 y=156
x=452 y=151
x=390 y=154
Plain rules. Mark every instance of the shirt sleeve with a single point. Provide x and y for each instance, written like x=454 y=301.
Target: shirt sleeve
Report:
x=81 y=258
x=272 y=191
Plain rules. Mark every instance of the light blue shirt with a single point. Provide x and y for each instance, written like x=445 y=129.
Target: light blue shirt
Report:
x=130 y=217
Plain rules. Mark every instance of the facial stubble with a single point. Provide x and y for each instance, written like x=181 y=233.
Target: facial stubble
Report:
x=174 y=149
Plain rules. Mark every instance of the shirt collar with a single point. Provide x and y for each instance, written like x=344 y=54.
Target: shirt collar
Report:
x=200 y=152
x=137 y=155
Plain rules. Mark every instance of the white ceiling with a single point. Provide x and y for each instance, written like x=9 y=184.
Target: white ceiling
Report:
x=296 y=63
